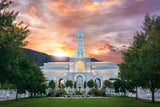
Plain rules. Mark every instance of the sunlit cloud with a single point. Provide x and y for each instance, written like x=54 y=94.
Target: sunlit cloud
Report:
x=111 y=3
x=90 y=6
x=63 y=50
x=108 y=25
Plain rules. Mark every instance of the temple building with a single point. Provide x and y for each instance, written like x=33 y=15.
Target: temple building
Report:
x=79 y=68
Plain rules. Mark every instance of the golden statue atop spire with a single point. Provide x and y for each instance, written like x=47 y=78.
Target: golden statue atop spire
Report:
x=80 y=22
x=80 y=16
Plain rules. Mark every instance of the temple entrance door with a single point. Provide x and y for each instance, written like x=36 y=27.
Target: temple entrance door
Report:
x=79 y=81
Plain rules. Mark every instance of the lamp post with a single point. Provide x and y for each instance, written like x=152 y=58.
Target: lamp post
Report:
x=148 y=95
x=7 y=95
x=24 y=95
x=131 y=94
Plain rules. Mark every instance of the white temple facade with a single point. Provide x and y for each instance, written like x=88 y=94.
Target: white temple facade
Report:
x=80 y=69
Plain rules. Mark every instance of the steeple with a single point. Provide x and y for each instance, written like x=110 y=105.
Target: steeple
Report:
x=80 y=51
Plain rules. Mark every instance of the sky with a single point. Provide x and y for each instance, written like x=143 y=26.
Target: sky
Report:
x=108 y=25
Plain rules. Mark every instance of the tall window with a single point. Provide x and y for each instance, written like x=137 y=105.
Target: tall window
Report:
x=80 y=67
x=79 y=81
x=61 y=83
x=98 y=83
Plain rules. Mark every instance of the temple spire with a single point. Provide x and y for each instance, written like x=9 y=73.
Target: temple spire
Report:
x=80 y=51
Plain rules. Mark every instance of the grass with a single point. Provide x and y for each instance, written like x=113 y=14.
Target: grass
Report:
x=105 y=102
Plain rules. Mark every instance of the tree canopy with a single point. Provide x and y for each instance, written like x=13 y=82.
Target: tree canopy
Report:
x=21 y=72
x=142 y=59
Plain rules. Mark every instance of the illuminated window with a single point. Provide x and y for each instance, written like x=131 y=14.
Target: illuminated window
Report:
x=80 y=67
x=79 y=81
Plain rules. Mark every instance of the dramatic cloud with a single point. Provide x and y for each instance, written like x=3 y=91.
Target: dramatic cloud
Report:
x=108 y=25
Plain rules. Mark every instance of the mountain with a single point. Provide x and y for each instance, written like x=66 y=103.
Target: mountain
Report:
x=38 y=57
x=41 y=58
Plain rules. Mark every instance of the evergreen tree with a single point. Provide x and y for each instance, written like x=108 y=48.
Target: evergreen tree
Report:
x=5 y=3
x=90 y=83
x=69 y=83
x=51 y=84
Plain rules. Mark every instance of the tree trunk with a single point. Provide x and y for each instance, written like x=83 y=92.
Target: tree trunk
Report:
x=17 y=95
x=153 y=96
x=124 y=94
x=136 y=93
x=31 y=94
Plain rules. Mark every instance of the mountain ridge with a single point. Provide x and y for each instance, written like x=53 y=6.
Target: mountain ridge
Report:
x=40 y=58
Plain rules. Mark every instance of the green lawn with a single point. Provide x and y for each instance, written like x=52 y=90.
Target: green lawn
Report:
x=105 y=102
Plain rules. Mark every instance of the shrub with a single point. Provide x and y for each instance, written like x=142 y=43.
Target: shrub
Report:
x=73 y=93
x=103 y=93
x=60 y=93
x=51 y=93
x=78 y=92
x=97 y=92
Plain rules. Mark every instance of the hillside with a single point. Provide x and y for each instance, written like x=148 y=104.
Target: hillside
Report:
x=41 y=58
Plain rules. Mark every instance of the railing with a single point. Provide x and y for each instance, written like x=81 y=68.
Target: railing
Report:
x=78 y=96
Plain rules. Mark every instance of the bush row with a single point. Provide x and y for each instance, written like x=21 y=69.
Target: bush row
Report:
x=62 y=93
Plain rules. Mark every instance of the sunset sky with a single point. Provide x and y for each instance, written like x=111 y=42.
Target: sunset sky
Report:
x=108 y=25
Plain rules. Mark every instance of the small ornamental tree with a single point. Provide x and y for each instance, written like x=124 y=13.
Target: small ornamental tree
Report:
x=117 y=85
x=124 y=86
x=90 y=83
x=107 y=83
x=69 y=83
x=51 y=84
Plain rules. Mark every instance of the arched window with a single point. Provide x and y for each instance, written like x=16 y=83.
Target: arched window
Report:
x=79 y=81
x=80 y=67
x=61 y=83
x=98 y=83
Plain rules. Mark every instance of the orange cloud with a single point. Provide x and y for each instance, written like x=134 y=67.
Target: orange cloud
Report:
x=31 y=10
x=62 y=7
x=107 y=46
x=61 y=45
x=90 y=6
x=99 y=49
x=110 y=3
x=63 y=49
x=53 y=22
x=103 y=46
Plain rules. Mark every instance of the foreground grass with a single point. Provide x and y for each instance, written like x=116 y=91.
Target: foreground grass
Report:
x=105 y=102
